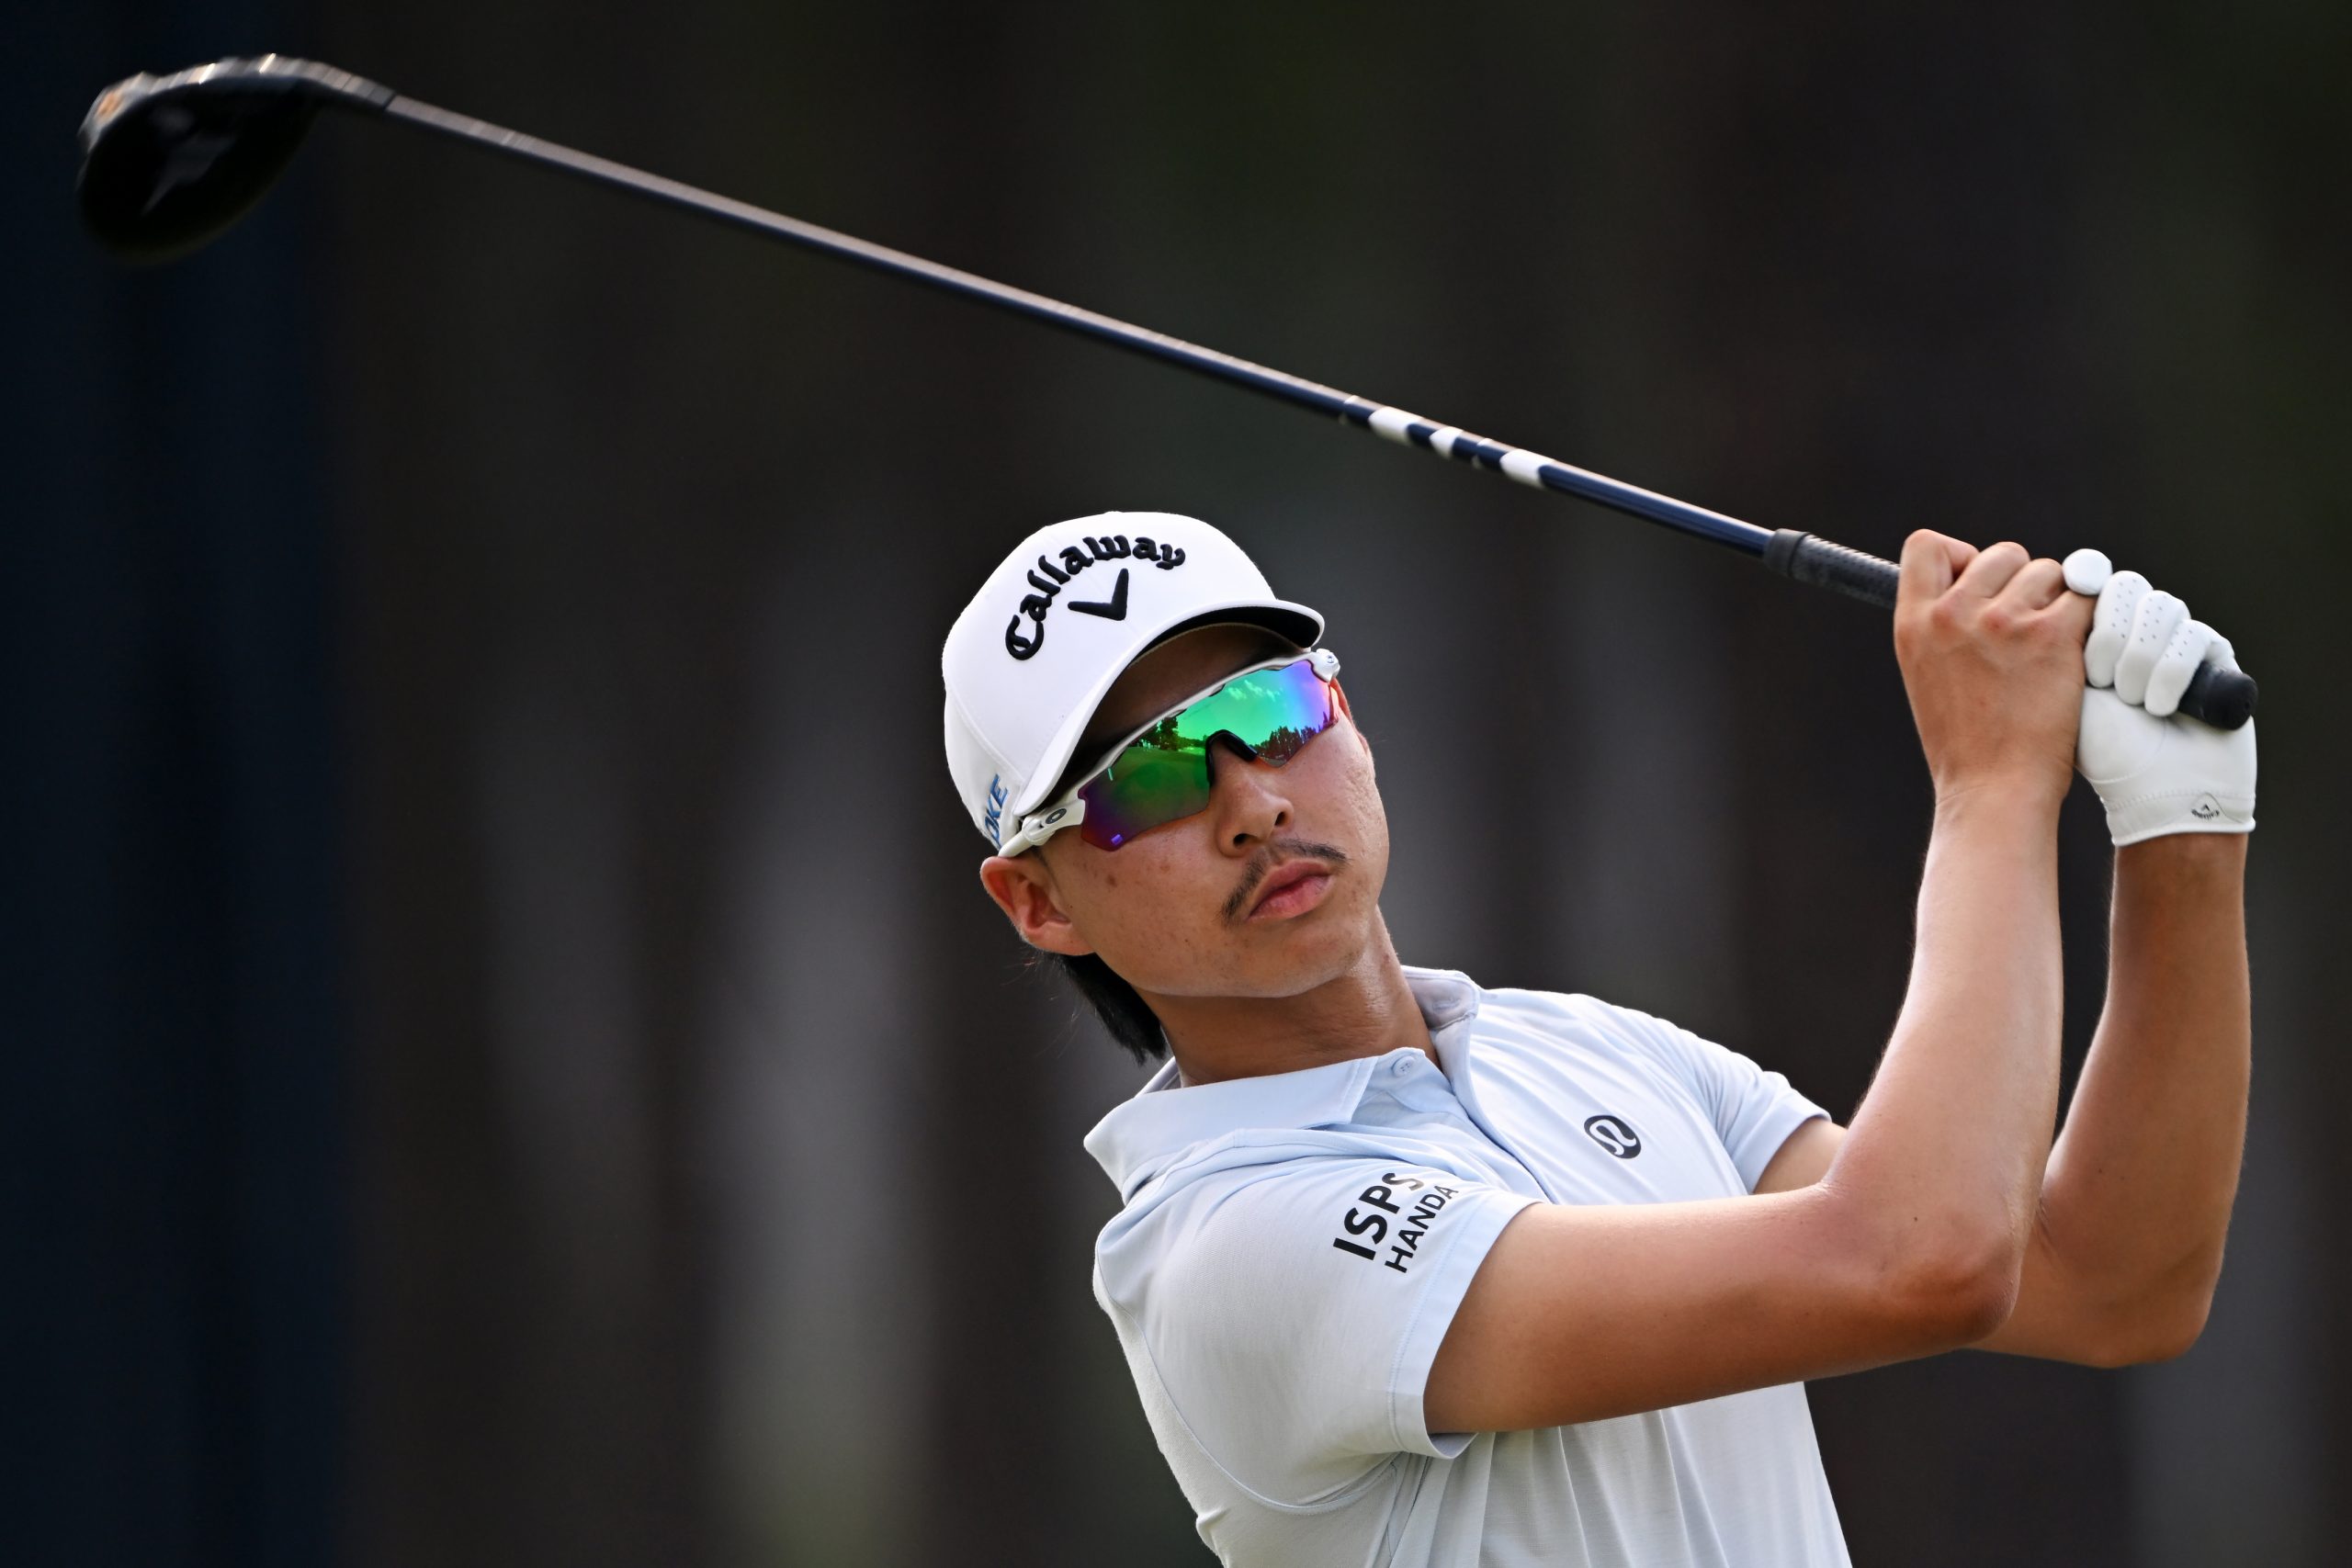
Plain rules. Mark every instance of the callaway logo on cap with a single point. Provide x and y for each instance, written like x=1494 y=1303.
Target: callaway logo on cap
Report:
x=1054 y=626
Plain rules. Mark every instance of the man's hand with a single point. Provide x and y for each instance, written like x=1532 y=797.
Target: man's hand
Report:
x=2155 y=772
x=1991 y=644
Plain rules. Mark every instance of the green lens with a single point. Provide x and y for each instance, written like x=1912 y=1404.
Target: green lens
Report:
x=1148 y=784
x=1271 y=712
x=1163 y=773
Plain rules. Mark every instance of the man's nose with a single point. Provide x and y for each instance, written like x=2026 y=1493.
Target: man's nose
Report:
x=1245 y=798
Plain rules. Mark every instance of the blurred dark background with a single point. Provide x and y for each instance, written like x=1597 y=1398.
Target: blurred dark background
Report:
x=507 y=1059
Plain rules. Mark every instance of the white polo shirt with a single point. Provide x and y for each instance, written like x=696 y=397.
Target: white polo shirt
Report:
x=1293 y=1246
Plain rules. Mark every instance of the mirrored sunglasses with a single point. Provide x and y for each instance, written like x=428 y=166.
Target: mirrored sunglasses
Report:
x=1160 y=773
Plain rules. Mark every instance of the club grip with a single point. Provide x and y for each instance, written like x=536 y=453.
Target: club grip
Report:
x=2222 y=698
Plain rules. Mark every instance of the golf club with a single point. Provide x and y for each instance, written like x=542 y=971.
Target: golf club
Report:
x=170 y=161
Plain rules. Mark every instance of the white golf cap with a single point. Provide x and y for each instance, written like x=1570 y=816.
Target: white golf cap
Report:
x=1054 y=626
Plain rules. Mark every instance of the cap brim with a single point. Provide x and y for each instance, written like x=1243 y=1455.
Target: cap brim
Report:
x=1296 y=621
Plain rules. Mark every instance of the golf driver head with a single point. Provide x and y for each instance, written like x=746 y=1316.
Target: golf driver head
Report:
x=170 y=161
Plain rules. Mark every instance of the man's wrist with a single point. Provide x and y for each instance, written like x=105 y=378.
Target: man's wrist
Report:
x=2204 y=857
x=2030 y=794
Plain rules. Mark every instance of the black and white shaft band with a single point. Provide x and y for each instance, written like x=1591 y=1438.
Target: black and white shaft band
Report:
x=1539 y=472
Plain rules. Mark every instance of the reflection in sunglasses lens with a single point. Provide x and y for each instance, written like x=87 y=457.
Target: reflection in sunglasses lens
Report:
x=1163 y=774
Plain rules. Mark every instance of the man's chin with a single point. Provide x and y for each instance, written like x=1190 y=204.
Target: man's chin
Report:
x=1313 y=953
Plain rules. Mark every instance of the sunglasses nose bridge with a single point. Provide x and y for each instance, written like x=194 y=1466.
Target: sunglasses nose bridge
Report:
x=1247 y=803
x=1233 y=742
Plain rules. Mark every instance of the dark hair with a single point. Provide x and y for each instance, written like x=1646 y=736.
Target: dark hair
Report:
x=1126 y=1015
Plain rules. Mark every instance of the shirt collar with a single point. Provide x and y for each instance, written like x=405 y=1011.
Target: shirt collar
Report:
x=1145 y=1132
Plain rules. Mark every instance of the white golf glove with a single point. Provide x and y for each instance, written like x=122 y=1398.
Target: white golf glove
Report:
x=2156 y=771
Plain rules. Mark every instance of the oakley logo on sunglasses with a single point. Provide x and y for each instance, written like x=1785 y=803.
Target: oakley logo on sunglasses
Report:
x=1109 y=547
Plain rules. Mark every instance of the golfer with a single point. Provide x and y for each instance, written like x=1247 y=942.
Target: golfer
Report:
x=1413 y=1272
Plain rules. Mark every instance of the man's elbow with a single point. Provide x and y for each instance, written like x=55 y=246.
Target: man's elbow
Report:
x=2158 y=1327
x=1964 y=1298
x=1928 y=1277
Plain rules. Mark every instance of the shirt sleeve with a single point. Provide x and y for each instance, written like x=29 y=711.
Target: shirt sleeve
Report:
x=1291 y=1312
x=1754 y=1110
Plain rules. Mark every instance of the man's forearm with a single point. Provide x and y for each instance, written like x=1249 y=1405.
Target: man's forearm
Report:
x=2136 y=1203
x=1956 y=1123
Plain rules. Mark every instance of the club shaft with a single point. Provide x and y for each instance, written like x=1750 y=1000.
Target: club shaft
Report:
x=1517 y=463
x=2225 y=698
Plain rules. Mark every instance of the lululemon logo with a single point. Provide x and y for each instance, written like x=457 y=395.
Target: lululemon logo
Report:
x=1612 y=1133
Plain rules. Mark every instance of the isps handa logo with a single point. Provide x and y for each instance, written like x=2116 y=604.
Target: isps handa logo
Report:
x=1049 y=580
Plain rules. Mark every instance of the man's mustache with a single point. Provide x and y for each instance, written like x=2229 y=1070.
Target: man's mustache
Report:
x=1272 y=854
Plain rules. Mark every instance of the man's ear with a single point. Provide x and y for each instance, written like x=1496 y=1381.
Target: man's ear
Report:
x=1023 y=888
